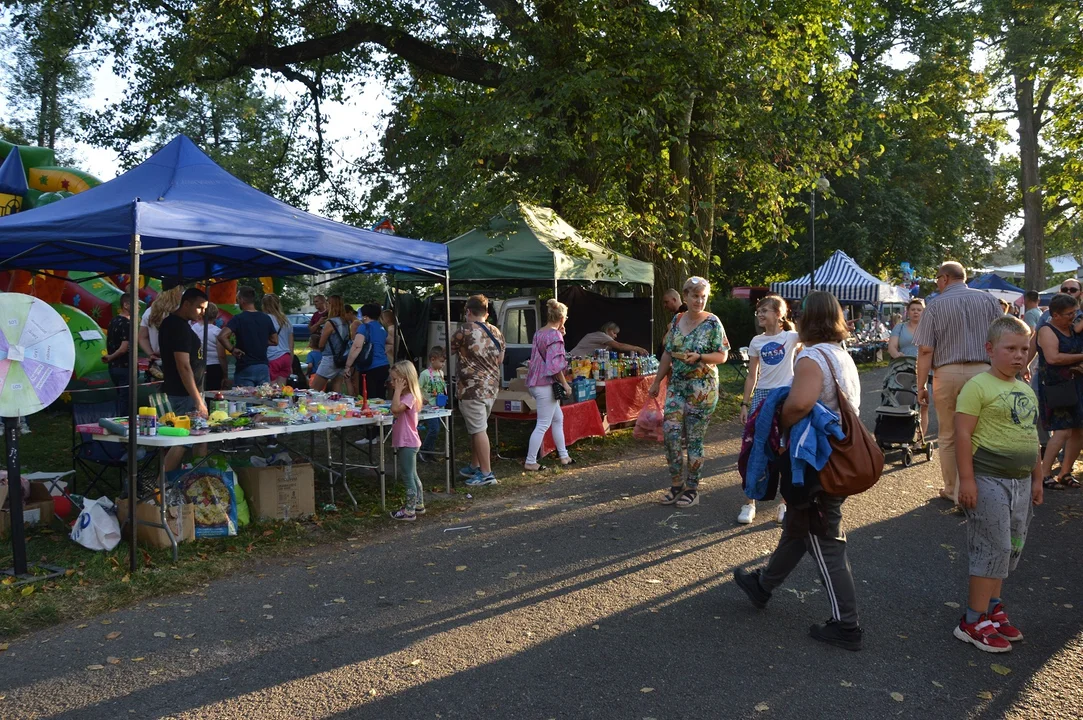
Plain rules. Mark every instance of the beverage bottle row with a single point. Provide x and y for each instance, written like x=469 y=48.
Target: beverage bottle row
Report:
x=610 y=365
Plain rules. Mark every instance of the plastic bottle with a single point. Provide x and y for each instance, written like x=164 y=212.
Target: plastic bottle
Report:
x=152 y=421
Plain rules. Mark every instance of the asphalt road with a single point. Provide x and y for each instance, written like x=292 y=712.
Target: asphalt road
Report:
x=583 y=598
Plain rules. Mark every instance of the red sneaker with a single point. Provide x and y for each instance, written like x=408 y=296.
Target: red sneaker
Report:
x=1003 y=625
x=982 y=635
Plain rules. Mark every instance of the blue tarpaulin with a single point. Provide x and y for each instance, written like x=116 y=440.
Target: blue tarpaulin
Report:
x=197 y=221
x=992 y=281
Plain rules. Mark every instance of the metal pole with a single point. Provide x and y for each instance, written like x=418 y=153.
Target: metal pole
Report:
x=812 y=237
x=450 y=404
x=15 y=489
x=133 y=397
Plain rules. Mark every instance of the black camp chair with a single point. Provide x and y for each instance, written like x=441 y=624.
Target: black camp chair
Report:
x=98 y=459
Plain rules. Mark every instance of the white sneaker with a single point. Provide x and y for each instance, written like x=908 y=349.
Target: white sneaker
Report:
x=781 y=512
x=747 y=514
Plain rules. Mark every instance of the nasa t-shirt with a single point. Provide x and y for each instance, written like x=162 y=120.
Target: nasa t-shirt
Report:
x=776 y=358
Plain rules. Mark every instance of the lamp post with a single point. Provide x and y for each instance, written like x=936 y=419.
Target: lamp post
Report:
x=822 y=185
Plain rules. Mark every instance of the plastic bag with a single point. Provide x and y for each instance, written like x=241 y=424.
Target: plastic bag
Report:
x=649 y=421
x=97 y=527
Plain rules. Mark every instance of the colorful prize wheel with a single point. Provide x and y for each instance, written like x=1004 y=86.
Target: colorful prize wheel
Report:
x=37 y=355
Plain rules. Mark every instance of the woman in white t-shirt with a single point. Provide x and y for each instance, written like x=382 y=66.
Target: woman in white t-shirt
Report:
x=212 y=378
x=770 y=366
x=166 y=302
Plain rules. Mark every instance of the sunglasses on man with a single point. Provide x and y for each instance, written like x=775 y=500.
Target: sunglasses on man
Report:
x=1069 y=289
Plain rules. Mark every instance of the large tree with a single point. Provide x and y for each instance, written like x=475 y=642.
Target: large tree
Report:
x=626 y=116
x=1036 y=56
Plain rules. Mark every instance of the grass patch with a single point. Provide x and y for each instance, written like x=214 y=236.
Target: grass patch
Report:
x=99 y=582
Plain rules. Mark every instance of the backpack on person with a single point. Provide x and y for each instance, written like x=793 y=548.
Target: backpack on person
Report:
x=364 y=358
x=340 y=346
x=856 y=461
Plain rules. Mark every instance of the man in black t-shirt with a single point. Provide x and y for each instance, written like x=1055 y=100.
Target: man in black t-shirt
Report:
x=116 y=347
x=183 y=363
x=253 y=332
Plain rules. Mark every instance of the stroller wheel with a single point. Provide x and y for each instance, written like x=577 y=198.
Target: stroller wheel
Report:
x=928 y=451
x=907 y=458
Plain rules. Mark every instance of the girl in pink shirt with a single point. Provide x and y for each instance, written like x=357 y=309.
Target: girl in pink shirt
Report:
x=406 y=402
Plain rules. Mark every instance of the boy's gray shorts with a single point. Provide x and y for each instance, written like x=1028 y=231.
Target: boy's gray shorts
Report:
x=996 y=528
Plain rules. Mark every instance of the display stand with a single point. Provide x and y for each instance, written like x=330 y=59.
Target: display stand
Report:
x=37 y=355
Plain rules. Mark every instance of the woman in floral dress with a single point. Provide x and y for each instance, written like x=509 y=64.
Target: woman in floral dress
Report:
x=694 y=347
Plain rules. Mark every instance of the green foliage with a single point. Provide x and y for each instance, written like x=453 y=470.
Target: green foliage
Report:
x=45 y=72
x=359 y=288
x=738 y=317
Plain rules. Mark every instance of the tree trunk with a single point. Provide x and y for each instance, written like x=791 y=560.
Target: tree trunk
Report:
x=1029 y=184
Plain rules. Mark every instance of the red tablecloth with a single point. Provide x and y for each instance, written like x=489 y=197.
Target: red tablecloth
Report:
x=580 y=420
x=625 y=397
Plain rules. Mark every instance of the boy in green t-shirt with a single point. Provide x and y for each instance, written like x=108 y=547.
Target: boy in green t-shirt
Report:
x=996 y=440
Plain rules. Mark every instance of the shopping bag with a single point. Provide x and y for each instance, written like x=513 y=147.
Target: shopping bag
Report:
x=649 y=421
x=97 y=527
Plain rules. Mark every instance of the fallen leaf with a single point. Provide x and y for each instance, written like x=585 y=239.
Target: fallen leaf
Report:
x=424 y=602
x=415 y=663
x=4 y=646
x=138 y=659
x=1068 y=605
x=595 y=627
x=460 y=568
x=113 y=660
x=953 y=605
x=480 y=593
x=762 y=707
x=95 y=667
x=159 y=634
x=339 y=600
x=266 y=607
x=113 y=635
x=846 y=683
x=897 y=697
x=81 y=627
x=985 y=695
x=646 y=690
x=153 y=672
x=107 y=622
x=937 y=684
x=372 y=692
x=652 y=581
x=177 y=637
x=1000 y=669
x=28 y=590
x=10 y=580
x=127 y=578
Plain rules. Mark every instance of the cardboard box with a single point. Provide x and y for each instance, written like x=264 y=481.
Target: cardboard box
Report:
x=37 y=509
x=514 y=402
x=517 y=385
x=583 y=389
x=279 y=492
x=181 y=519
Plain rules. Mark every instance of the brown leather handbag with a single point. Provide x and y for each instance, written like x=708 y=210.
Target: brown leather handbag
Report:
x=856 y=461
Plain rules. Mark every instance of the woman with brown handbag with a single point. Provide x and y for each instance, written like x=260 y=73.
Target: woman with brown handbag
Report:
x=815 y=526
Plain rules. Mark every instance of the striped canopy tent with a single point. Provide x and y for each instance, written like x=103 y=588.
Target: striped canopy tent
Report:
x=843 y=277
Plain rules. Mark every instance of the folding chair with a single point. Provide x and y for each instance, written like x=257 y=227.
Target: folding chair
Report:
x=96 y=459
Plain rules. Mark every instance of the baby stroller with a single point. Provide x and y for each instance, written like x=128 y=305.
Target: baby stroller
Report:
x=898 y=419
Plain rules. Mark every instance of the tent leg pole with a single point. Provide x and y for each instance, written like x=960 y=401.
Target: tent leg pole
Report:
x=133 y=399
x=450 y=460
x=652 y=316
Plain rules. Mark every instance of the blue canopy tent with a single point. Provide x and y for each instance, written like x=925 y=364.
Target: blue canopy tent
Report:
x=992 y=281
x=180 y=215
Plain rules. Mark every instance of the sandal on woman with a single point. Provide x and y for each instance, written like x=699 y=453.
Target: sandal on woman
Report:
x=1049 y=482
x=672 y=494
x=535 y=467
x=1068 y=481
x=567 y=461
x=687 y=499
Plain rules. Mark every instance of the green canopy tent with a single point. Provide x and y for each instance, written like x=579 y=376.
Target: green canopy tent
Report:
x=534 y=245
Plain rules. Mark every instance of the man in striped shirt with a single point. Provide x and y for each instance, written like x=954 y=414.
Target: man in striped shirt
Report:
x=951 y=337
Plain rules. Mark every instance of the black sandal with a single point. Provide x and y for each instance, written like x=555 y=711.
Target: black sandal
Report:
x=1068 y=481
x=672 y=494
x=688 y=498
x=1049 y=482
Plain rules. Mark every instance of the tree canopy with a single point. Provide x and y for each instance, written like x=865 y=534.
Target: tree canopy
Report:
x=687 y=134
